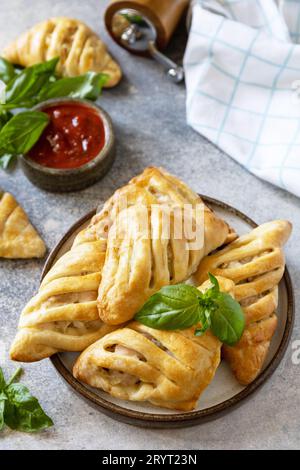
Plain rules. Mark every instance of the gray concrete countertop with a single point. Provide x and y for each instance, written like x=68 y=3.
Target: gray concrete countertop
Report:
x=149 y=117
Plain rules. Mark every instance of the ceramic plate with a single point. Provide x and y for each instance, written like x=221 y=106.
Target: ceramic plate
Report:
x=224 y=392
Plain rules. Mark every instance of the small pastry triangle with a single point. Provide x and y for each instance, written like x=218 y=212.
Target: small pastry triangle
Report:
x=18 y=238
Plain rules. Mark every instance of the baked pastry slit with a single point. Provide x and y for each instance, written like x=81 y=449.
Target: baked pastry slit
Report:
x=156 y=186
x=63 y=315
x=79 y=49
x=169 y=369
x=256 y=263
x=143 y=257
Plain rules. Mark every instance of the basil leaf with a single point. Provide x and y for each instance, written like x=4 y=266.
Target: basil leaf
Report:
x=44 y=67
x=214 y=282
x=6 y=159
x=22 y=90
x=2 y=380
x=172 y=308
x=87 y=86
x=205 y=321
x=15 y=376
x=23 y=411
x=182 y=306
x=5 y=116
x=22 y=132
x=7 y=70
x=227 y=320
x=3 y=399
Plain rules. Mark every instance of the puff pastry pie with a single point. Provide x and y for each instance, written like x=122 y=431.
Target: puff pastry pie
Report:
x=255 y=262
x=79 y=48
x=138 y=261
x=169 y=369
x=63 y=316
x=18 y=238
x=156 y=186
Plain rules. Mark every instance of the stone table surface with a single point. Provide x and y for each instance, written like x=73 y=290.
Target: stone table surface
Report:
x=149 y=117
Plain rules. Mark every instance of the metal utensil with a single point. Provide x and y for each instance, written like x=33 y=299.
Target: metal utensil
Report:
x=136 y=32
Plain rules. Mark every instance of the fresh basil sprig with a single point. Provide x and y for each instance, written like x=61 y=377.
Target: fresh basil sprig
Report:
x=18 y=408
x=39 y=82
x=22 y=91
x=171 y=308
x=182 y=306
x=6 y=159
x=5 y=116
x=7 y=70
x=28 y=87
x=86 y=86
x=20 y=133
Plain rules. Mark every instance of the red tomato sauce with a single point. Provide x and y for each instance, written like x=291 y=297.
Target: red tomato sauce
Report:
x=74 y=136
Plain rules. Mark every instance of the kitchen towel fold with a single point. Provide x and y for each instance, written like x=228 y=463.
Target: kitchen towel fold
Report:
x=242 y=66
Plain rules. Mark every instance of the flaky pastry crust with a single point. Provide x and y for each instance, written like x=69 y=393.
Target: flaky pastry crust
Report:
x=156 y=186
x=255 y=262
x=80 y=49
x=18 y=238
x=169 y=369
x=63 y=315
x=138 y=265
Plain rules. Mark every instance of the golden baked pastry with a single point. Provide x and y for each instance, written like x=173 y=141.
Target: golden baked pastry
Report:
x=63 y=316
x=79 y=48
x=156 y=186
x=169 y=369
x=255 y=262
x=144 y=252
x=247 y=358
x=18 y=238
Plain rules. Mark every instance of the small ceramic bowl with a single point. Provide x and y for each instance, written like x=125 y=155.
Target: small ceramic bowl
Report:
x=60 y=180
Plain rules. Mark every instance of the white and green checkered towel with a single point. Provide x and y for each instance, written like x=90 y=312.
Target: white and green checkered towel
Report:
x=242 y=67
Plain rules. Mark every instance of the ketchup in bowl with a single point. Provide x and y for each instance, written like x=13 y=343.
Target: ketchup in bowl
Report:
x=74 y=136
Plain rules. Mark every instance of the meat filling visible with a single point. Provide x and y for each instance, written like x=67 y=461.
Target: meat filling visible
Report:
x=117 y=377
x=69 y=298
x=73 y=328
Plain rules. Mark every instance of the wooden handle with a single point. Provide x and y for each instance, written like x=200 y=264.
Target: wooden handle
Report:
x=164 y=14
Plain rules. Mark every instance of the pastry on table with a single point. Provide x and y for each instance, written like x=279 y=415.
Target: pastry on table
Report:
x=169 y=369
x=63 y=315
x=79 y=48
x=255 y=262
x=18 y=238
x=156 y=186
x=247 y=358
x=141 y=258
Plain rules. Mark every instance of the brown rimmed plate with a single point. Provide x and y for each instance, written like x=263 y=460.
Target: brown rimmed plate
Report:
x=224 y=393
